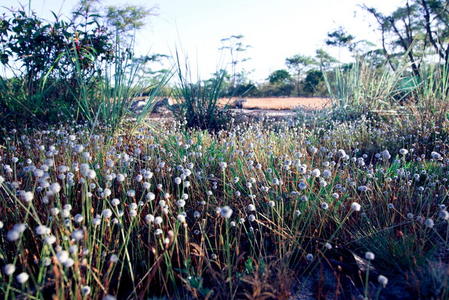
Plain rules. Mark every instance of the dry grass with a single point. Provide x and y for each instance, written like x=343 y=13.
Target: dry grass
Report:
x=282 y=103
x=272 y=103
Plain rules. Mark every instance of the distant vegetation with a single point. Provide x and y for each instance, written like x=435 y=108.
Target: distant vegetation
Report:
x=67 y=67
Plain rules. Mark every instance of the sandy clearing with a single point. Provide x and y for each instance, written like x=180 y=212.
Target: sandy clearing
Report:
x=283 y=103
x=273 y=103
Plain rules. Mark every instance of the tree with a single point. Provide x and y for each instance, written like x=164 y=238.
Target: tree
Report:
x=324 y=59
x=279 y=77
x=128 y=18
x=122 y=21
x=312 y=81
x=299 y=64
x=340 y=38
x=234 y=44
x=417 y=29
x=404 y=25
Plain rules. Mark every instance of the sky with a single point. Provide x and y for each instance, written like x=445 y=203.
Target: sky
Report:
x=275 y=29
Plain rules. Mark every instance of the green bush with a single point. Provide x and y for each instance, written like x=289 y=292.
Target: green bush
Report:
x=197 y=102
x=44 y=84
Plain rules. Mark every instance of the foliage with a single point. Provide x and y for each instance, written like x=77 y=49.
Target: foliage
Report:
x=236 y=48
x=36 y=48
x=324 y=59
x=44 y=81
x=197 y=102
x=279 y=77
x=75 y=68
x=299 y=64
x=413 y=30
x=314 y=83
x=110 y=100
x=340 y=38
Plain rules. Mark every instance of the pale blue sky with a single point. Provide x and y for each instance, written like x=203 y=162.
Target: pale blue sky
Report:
x=275 y=29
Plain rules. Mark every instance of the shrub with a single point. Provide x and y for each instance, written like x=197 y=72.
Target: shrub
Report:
x=45 y=78
x=197 y=102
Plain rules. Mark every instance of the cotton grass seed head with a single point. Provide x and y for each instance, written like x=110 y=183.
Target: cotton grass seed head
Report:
x=13 y=235
x=26 y=196
x=324 y=205
x=316 y=173
x=443 y=214
x=369 y=255
x=355 y=206
x=9 y=269
x=42 y=230
x=429 y=223
x=55 y=188
x=85 y=290
x=225 y=212
x=403 y=151
x=22 y=278
x=62 y=256
x=106 y=213
x=77 y=234
x=383 y=281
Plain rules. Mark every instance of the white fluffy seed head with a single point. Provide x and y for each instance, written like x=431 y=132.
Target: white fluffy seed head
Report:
x=22 y=278
x=106 y=213
x=120 y=177
x=181 y=218
x=26 y=196
x=324 y=205
x=91 y=174
x=62 y=256
x=158 y=220
x=429 y=223
x=42 y=230
x=55 y=188
x=113 y=258
x=149 y=218
x=316 y=173
x=9 y=269
x=355 y=206
x=50 y=240
x=444 y=214
x=77 y=234
x=85 y=290
x=369 y=255
x=225 y=212
x=13 y=235
x=382 y=280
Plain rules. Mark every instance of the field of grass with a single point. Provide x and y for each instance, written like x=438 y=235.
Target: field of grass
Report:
x=260 y=211
x=335 y=201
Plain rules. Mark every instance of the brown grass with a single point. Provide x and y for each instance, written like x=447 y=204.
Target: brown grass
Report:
x=283 y=103
x=273 y=103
